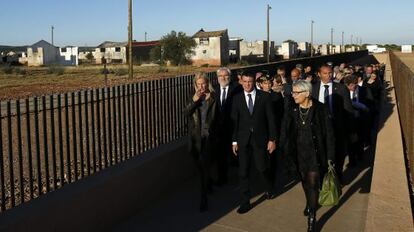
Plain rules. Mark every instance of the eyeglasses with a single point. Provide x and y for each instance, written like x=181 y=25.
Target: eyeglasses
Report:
x=297 y=92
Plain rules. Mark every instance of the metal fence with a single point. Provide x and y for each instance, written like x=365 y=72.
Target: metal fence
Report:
x=403 y=78
x=50 y=141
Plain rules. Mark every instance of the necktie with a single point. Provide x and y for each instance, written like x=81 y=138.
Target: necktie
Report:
x=326 y=94
x=223 y=96
x=250 y=105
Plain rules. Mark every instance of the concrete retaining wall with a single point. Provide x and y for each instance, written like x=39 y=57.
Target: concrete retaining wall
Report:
x=100 y=201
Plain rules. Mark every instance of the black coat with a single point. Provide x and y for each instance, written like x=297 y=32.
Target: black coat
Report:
x=193 y=111
x=261 y=122
x=223 y=112
x=342 y=112
x=322 y=135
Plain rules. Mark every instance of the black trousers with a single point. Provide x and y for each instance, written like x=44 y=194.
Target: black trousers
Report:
x=222 y=157
x=257 y=155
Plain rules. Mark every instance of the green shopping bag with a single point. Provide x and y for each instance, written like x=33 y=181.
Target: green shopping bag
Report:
x=331 y=189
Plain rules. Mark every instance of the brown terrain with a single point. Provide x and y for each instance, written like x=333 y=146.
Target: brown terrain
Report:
x=37 y=81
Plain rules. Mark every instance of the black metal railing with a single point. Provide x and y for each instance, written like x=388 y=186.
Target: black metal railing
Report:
x=50 y=141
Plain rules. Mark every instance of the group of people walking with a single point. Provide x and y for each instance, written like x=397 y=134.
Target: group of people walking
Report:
x=309 y=118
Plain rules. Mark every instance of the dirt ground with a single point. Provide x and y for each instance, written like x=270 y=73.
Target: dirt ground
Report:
x=37 y=81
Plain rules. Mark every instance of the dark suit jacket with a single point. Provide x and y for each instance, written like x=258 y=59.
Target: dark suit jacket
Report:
x=342 y=111
x=223 y=112
x=260 y=125
x=192 y=110
x=322 y=135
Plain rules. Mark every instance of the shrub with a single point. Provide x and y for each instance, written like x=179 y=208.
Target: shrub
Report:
x=104 y=71
x=21 y=71
x=8 y=69
x=162 y=69
x=58 y=70
x=120 y=71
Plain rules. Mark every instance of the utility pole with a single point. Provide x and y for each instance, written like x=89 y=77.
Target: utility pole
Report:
x=342 y=42
x=268 y=34
x=130 y=70
x=52 y=34
x=352 y=37
x=331 y=49
x=311 y=50
x=146 y=36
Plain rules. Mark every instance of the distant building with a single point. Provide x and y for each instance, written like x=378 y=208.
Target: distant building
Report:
x=141 y=50
x=375 y=49
x=234 y=49
x=42 y=53
x=69 y=56
x=212 y=47
x=304 y=48
x=407 y=48
x=113 y=52
x=289 y=50
x=256 y=52
x=117 y=52
x=83 y=53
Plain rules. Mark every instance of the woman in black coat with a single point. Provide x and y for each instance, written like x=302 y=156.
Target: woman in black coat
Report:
x=201 y=111
x=308 y=143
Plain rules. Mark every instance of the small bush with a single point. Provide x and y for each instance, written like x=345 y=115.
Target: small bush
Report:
x=120 y=71
x=58 y=70
x=21 y=71
x=104 y=71
x=162 y=69
x=8 y=69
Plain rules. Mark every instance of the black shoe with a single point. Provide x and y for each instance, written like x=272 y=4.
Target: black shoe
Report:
x=306 y=211
x=270 y=195
x=244 y=208
x=203 y=204
x=312 y=221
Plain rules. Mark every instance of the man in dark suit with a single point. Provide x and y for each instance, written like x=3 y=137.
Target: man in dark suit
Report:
x=254 y=136
x=225 y=91
x=362 y=102
x=337 y=97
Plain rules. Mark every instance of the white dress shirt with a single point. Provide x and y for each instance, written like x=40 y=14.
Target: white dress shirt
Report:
x=221 y=92
x=246 y=98
x=322 y=93
x=253 y=93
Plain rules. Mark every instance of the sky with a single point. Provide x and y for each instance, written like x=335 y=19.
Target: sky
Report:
x=90 y=22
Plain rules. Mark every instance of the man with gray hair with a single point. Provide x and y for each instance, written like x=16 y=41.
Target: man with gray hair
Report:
x=224 y=95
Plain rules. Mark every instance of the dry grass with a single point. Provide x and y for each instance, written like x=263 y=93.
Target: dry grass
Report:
x=37 y=81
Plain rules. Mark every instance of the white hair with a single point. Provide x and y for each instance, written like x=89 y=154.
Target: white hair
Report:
x=303 y=86
x=224 y=69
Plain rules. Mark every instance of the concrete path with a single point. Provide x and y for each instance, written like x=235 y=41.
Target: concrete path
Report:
x=179 y=211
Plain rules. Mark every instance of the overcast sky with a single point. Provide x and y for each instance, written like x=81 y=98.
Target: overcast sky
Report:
x=90 y=22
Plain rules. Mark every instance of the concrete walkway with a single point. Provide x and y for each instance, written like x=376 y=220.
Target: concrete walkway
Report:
x=179 y=211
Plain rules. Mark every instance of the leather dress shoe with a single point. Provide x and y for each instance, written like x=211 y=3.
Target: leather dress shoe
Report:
x=270 y=195
x=244 y=208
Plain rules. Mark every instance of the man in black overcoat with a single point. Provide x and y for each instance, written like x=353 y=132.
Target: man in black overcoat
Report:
x=225 y=90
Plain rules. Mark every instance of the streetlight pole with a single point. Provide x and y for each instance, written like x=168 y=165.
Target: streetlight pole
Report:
x=130 y=70
x=52 y=34
x=342 y=42
x=331 y=49
x=312 y=22
x=268 y=34
x=146 y=36
x=352 y=37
